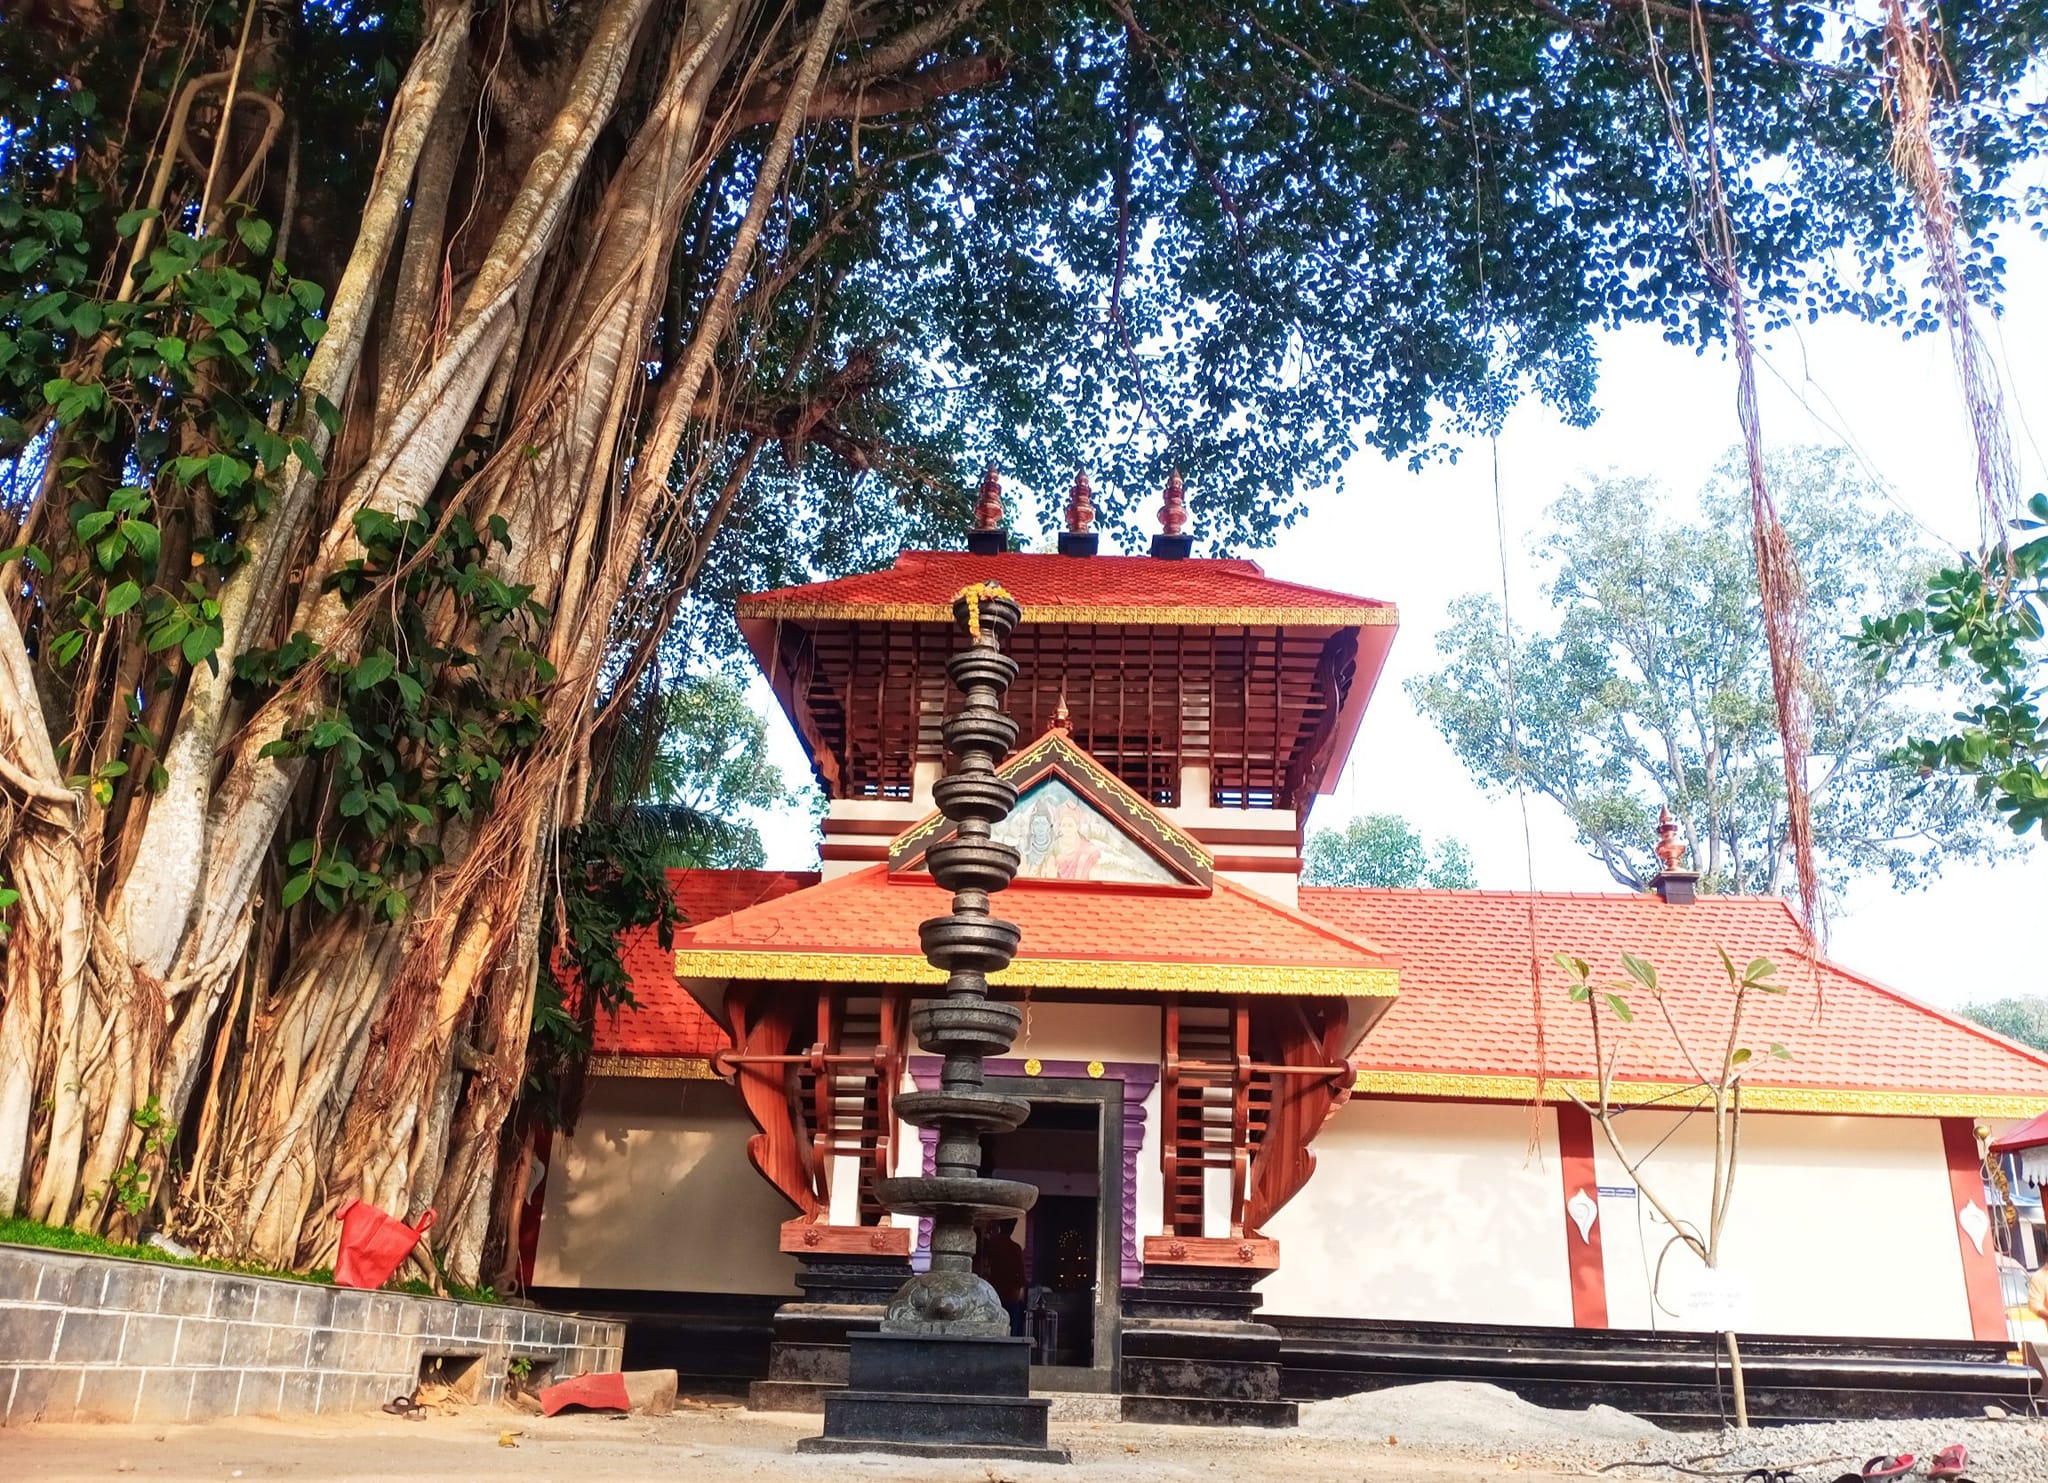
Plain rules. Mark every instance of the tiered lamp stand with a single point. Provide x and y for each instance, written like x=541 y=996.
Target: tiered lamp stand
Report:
x=943 y=1377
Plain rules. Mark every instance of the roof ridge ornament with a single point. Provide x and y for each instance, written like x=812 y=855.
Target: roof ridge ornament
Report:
x=1672 y=882
x=1079 y=538
x=1173 y=543
x=990 y=537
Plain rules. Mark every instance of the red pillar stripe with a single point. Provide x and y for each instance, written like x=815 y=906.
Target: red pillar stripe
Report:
x=1583 y=1252
x=1980 y=1268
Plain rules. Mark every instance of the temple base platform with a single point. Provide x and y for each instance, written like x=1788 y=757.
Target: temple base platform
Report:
x=931 y=1396
x=843 y=1295
x=1194 y=1354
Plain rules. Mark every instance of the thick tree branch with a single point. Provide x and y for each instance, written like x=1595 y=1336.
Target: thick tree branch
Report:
x=879 y=100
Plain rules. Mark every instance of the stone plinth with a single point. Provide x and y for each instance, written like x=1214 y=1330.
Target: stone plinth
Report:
x=842 y=1296
x=937 y=1396
x=1194 y=1353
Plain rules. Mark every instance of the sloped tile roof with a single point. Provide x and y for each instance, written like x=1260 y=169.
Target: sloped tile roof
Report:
x=862 y=927
x=1464 y=1022
x=1467 y=1012
x=1067 y=589
x=667 y=1021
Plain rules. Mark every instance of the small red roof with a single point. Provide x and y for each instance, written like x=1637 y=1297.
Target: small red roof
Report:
x=862 y=927
x=667 y=1021
x=1467 y=1011
x=1073 y=589
x=2030 y=1134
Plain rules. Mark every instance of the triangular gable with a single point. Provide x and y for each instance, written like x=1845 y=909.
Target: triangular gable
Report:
x=1075 y=821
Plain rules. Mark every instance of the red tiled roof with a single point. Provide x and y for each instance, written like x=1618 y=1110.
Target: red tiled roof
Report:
x=1463 y=1024
x=1067 y=589
x=863 y=927
x=1466 y=1010
x=667 y=1021
x=2030 y=1134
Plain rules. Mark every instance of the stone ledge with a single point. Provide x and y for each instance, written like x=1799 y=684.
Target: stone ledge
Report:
x=109 y=1338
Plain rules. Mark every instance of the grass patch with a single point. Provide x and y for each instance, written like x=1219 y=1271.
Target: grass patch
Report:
x=62 y=1238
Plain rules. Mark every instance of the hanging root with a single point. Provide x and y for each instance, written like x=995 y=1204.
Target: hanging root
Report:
x=1909 y=91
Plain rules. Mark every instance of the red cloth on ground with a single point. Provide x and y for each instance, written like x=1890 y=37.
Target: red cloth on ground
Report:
x=606 y=1392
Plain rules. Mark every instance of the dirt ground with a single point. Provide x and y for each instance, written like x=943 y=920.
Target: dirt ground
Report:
x=693 y=1444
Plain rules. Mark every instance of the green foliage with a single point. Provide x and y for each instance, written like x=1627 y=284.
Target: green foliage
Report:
x=1652 y=685
x=690 y=766
x=8 y=897
x=416 y=730
x=611 y=881
x=2023 y=1017
x=1758 y=976
x=1981 y=630
x=1384 y=850
x=1248 y=240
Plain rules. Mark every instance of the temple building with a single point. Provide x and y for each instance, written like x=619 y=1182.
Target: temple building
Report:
x=1354 y=1107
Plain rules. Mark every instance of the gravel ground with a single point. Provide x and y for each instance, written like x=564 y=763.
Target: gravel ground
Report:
x=1484 y=1422
x=1443 y=1433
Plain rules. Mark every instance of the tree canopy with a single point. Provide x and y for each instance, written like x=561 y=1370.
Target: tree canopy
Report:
x=1384 y=850
x=1653 y=689
x=382 y=387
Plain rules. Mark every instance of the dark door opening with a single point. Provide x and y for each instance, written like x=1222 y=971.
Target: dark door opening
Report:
x=1059 y=1150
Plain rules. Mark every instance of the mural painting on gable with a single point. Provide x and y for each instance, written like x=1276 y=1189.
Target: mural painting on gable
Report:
x=1062 y=836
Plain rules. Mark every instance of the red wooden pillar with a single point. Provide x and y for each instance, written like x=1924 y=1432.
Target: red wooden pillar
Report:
x=1583 y=1252
x=1980 y=1264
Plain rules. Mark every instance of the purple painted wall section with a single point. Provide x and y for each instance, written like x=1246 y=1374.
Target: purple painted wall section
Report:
x=1138 y=1078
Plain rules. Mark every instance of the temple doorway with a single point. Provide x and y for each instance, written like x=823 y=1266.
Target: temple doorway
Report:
x=1071 y=1148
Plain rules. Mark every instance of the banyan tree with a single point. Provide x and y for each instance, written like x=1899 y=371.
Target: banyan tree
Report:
x=383 y=386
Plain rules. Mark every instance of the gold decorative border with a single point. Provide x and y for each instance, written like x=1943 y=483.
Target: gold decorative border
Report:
x=1060 y=746
x=1684 y=1095
x=1046 y=973
x=664 y=1068
x=1051 y=613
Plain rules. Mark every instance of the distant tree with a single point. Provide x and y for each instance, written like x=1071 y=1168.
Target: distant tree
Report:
x=1653 y=685
x=1384 y=850
x=2023 y=1017
x=692 y=775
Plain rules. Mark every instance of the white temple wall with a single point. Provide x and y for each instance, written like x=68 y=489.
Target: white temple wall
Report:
x=655 y=1193
x=1426 y=1211
x=1837 y=1225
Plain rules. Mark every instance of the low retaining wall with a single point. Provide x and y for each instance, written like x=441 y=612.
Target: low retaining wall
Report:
x=90 y=1338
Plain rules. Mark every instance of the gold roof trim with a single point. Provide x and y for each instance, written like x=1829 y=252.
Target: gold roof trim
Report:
x=1868 y=1101
x=663 y=1068
x=1051 y=613
x=1047 y=973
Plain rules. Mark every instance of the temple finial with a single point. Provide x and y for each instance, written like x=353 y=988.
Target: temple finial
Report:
x=1079 y=538
x=988 y=504
x=1062 y=719
x=1670 y=848
x=1672 y=882
x=1080 y=505
x=1173 y=542
x=989 y=536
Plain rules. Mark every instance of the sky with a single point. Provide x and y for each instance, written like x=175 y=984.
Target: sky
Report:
x=1668 y=412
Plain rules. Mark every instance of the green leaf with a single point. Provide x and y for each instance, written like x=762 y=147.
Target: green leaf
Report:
x=1621 y=1010
x=300 y=852
x=255 y=234
x=1640 y=970
x=295 y=889
x=200 y=643
x=374 y=670
x=121 y=598
x=1780 y=1052
x=130 y=222
x=1740 y=1056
